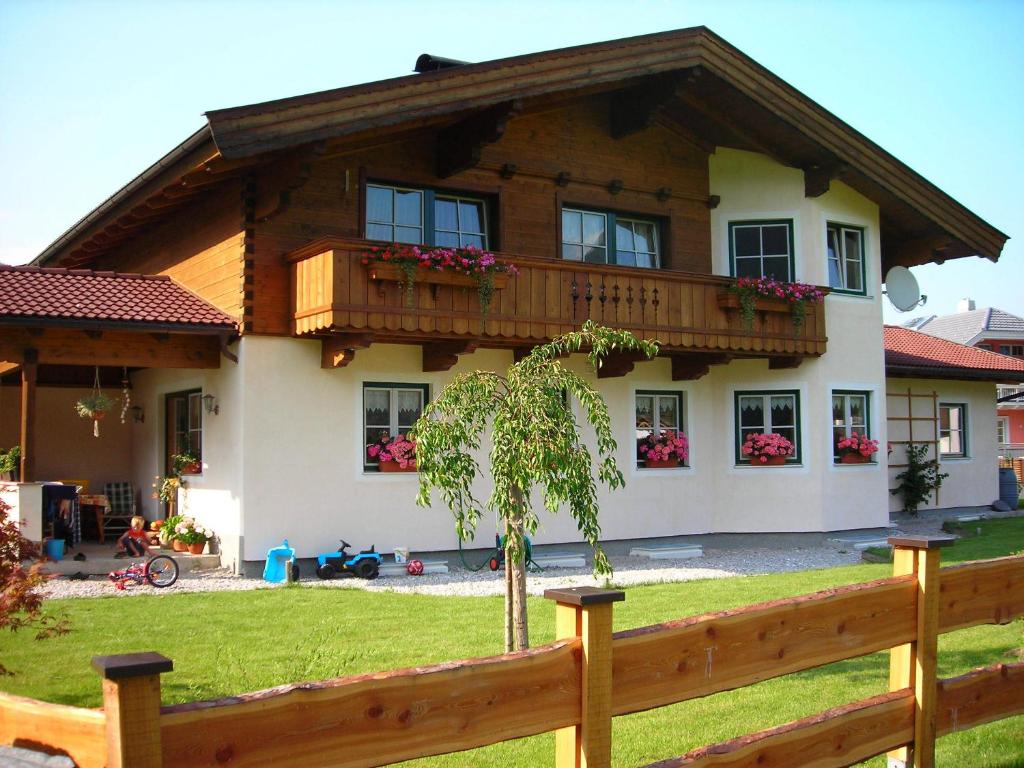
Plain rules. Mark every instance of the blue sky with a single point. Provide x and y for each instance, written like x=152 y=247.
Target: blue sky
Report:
x=91 y=93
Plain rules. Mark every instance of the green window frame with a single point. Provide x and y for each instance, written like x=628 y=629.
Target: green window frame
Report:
x=953 y=435
x=851 y=412
x=391 y=407
x=762 y=248
x=419 y=216
x=605 y=237
x=669 y=406
x=773 y=418
x=845 y=260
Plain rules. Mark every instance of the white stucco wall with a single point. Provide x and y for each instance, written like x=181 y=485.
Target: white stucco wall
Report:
x=974 y=479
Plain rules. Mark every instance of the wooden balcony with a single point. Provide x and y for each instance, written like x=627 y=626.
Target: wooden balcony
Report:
x=695 y=318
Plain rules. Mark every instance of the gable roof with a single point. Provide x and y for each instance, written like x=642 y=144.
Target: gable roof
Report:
x=34 y=295
x=751 y=108
x=911 y=353
x=966 y=327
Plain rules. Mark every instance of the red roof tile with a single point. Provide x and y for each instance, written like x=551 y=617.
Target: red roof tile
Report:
x=83 y=295
x=905 y=348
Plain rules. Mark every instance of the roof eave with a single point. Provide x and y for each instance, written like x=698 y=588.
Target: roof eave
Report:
x=953 y=374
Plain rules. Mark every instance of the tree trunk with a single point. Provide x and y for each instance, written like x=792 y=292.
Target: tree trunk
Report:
x=508 y=594
x=515 y=569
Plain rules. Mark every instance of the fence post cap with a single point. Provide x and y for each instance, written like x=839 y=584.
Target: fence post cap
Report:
x=585 y=595
x=126 y=665
x=921 y=542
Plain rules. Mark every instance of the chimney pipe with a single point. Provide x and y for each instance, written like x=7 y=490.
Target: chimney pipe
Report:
x=965 y=305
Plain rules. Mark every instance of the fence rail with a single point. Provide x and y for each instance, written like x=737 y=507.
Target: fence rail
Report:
x=575 y=686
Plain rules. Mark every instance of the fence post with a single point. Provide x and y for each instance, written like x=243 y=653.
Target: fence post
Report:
x=913 y=665
x=586 y=612
x=131 y=703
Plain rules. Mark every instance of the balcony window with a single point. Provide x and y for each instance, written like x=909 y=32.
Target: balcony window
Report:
x=425 y=217
x=604 y=237
x=845 y=259
x=762 y=249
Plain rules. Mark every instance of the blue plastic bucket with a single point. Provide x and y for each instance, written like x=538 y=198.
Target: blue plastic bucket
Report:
x=55 y=549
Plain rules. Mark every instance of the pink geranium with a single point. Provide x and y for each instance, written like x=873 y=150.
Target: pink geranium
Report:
x=857 y=444
x=399 y=449
x=761 y=446
x=664 y=446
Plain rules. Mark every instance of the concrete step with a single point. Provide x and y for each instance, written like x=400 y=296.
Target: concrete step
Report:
x=859 y=541
x=399 y=569
x=668 y=551
x=559 y=560
x=101 y=566
x=969 y=518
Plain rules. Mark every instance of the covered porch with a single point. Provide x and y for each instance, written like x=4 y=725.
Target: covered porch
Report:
x=69 y=335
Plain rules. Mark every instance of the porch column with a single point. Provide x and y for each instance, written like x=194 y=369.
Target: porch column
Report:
x=29 y=368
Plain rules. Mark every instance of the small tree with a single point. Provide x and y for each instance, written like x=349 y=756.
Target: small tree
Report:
x=919 y=480
x=21 y=605
x=535 y=441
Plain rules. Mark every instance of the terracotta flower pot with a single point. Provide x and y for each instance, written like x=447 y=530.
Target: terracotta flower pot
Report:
x=97 y=415
x=661 y=463
x=853 y=458
x=179 y=546
x=197 y=548
x=773 y=461
x=195 y=468
x=393 y=466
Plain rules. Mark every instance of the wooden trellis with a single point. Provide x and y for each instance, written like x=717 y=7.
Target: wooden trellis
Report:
x=930 y=426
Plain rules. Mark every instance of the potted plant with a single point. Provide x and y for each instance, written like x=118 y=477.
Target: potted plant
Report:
x=751 y=295
x=394 y=454
x=766 y=448
x=667 y=449
x=165 y=489
x=453 y=266
x=856 y=449
x=94 y=406
x=10 y=463
x=186 y=463
x=192 y=535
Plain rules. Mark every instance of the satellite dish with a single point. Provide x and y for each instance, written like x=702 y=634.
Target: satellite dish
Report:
x=902 y=290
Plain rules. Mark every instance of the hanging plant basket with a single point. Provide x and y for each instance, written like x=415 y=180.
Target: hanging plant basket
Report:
x=94 y=405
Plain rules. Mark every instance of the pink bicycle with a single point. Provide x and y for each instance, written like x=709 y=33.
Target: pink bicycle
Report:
x=160 y=571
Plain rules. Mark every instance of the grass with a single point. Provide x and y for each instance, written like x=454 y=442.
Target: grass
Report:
x=231 y=642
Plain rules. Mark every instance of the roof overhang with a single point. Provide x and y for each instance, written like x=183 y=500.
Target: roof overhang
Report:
x=952 y=374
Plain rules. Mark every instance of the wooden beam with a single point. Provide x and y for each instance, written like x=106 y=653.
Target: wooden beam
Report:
x=687 y=367
x=338 y=350
x=635 y=109
x=29 y=370
x=442 y=355
x=818 y=178
x=134 y=349
x=619 y=364
x=781 y=362
x=460 y=146
x=6 y=368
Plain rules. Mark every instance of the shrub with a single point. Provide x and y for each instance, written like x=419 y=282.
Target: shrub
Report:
x=919 y=480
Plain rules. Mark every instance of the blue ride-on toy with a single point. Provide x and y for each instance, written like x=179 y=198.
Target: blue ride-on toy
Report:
x=365 y=565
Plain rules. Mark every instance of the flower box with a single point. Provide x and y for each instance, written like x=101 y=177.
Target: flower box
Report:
x=393 y=273
x=771 y=461
x=195 y=468
x=730 y=300
x=854 y=458
x=394 y=466
x=661 y=464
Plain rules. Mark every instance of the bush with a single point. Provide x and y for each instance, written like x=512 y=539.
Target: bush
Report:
x=919 y=480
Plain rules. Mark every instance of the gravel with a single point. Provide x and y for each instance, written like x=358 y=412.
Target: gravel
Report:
x=629 y=571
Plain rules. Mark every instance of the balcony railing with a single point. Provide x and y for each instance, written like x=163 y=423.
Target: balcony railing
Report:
x=335 y=292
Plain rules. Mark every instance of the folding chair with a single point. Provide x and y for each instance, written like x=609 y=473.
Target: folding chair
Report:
x=117 y=517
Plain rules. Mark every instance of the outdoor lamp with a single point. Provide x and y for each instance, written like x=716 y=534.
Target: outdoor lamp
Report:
x=210 y=404
x=138 y=415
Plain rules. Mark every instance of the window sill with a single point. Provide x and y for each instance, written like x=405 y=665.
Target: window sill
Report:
x=954 y=458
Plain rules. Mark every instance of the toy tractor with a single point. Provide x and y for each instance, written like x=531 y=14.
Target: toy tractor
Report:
x=365 y=565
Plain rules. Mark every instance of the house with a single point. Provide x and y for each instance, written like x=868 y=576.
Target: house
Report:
x=940 y=394
x=630 y=182
x=998 y=331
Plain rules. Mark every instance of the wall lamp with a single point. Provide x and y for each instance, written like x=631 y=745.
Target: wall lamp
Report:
x=138 y=415
x=210 y=404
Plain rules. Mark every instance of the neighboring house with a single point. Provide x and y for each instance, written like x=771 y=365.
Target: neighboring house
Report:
x=629 y=181
x=997 y=331
x=939 y=394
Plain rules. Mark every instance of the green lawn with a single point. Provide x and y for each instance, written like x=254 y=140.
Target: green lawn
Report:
x=227 y=643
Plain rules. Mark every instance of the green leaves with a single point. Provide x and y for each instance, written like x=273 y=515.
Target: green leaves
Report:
x=535 y=441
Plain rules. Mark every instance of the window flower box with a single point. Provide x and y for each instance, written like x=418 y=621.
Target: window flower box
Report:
x=393 y=273
x=394 y=466
x=661 y=463
x=730 y=300
x=854 y=458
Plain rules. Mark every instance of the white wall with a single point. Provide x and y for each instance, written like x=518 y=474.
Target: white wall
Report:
x=974 y=479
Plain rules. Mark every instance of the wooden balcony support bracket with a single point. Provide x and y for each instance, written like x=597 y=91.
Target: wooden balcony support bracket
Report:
x=781 y=362
x=688 y=367
x=619 y=364
x=338 y=350
x=442 y=355
x=460 y=146
x=635 y=109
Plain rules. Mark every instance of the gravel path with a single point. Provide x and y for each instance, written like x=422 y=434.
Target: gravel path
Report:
x=629 y=571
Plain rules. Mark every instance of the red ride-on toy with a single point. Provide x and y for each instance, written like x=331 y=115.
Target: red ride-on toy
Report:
x=160 y=571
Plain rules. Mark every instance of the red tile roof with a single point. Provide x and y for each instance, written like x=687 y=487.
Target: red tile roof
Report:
x=47 y=293
x=906 y=349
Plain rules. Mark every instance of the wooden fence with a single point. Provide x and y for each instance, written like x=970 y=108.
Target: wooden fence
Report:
x=575 y=686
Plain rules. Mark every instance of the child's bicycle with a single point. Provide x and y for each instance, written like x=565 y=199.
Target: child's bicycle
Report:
x=159 y=571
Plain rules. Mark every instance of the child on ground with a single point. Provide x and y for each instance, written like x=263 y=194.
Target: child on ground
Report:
x=134 y=542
